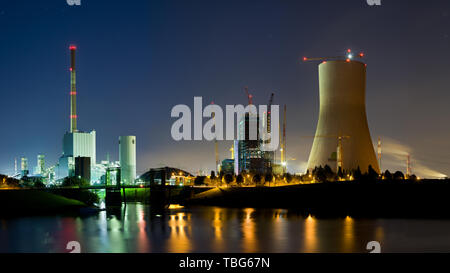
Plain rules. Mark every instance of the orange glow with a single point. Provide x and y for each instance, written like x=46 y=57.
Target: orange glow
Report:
x=179 y=233
x=349 y=235
x=175 y=206
x=248 y=228
x=310 y=235
x=218 y=226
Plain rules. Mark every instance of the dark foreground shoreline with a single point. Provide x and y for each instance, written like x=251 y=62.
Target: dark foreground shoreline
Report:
x=360 y=199
x=17 y=203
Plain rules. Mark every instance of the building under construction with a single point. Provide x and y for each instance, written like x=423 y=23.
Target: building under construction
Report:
x=249 y=156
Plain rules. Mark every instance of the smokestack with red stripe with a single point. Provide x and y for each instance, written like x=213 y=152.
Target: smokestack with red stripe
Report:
x=73 y=91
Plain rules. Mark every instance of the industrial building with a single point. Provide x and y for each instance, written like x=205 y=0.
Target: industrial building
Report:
x=40 y=166
x=76 y=144
x=166 y=176
x=83 y=167
x=24 y=166
x=227 y=166
x=342 y=138
x=127 y=159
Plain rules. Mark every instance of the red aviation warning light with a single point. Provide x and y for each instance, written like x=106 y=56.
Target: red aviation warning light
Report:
x=72 y=47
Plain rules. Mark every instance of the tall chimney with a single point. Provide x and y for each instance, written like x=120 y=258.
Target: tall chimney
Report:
x=73 y=91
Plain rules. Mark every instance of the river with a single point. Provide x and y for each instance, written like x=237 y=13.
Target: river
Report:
x=136 y=228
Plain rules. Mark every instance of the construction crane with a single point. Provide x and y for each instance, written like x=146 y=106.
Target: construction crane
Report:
x=216 y=145
x=249 y=96
x=268 y=112
x=340 y=149
x=232 y=151
x=283 y=142
x=348 y=57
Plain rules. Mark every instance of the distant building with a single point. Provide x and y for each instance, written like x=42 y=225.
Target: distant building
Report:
x=83 y=168
x=24 y=166
x=166 y=176
x=227 y=166
x=40 y=166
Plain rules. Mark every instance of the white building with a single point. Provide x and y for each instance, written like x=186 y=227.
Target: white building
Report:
x=127 y=158
x=76 y=144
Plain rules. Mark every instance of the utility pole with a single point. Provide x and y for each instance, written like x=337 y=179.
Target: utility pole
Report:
x=408 y=166
x=216 y=145
x=283 y=151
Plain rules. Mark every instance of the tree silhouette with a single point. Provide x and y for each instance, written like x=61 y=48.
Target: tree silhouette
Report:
x=228 y=178
x=387 y=175
x=398 y=175
x=239 y=179
x=371 y=173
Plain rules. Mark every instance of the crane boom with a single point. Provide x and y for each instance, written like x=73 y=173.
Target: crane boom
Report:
x=249 y=96
x=349 y=55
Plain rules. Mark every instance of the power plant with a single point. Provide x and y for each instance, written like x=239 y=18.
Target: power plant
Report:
x=78 y=157
x=342 y=138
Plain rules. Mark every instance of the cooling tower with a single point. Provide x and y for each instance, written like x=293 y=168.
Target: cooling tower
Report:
x=342 y=135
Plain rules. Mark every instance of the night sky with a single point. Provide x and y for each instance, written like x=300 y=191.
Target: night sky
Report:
x=137 y=59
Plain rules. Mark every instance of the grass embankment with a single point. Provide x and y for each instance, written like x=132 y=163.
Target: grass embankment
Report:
x=31 y=202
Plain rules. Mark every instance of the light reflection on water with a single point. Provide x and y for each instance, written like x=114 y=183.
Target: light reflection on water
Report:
x=136 y=228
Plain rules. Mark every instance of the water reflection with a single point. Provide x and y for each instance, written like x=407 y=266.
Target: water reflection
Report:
x=138 y=228
x=310 y=244
x=219 y=245
x=180 y=228
x=248 y=230
x=348 y=236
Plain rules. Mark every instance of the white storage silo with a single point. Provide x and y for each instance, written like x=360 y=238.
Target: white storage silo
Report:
x=127 y=158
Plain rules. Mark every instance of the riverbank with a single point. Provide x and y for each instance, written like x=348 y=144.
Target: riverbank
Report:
x=387 y=199
x=17 y=202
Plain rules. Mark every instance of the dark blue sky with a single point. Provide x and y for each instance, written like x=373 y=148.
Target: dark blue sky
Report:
x=137 y=59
